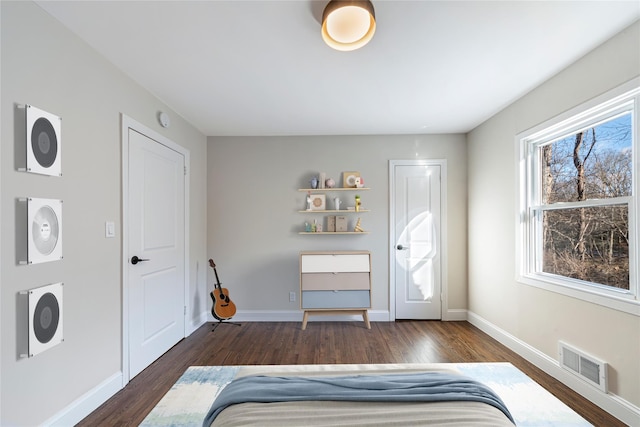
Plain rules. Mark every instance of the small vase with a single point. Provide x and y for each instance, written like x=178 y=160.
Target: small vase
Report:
x=336 y=203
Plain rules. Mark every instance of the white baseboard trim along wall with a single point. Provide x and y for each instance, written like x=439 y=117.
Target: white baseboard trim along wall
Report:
x=198 y=321
x=296 y=316
x=455 y=315
x=615 y=405
x=87 y=403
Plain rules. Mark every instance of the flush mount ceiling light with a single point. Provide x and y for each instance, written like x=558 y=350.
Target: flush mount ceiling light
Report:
x=348 y=25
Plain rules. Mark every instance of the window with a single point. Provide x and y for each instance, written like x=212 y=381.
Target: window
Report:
x=578 y=222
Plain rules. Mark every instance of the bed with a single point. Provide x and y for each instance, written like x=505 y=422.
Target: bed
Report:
x=350 y=395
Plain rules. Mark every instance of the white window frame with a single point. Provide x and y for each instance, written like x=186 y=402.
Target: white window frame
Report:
x=587 y=115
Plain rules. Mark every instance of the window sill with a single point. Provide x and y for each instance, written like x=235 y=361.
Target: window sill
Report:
x=616 y=301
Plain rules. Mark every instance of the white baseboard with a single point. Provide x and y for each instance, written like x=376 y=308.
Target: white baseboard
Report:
x=613 y=404
x=87 y=403
x=196 y=322
x=296 y=316
x=455 y=315
x=95 y=397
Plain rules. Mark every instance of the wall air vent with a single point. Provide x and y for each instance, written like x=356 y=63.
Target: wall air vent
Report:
x=586 y=367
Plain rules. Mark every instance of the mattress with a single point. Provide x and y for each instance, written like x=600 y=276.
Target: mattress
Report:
x=338 y=412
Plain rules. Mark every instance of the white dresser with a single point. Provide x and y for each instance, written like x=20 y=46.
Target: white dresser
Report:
x=335 y=282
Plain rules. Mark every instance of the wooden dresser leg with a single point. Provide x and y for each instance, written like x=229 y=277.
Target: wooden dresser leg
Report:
x=365 y=317
x=304 y=320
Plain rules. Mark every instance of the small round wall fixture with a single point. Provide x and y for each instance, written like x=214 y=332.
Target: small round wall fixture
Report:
x=348 y=25
x=164 y=120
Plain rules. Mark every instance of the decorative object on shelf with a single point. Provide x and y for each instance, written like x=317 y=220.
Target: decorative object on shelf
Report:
x=358 y=227
x=357 y=203
x=322 y=177
x=336 y=203
x=318 y=202
x=330 y=183
x=331 y=223
x=359 y=182
x=349 y=179
x=341 y=223
x=314 y=182
x=318 y=205
x=331 y=190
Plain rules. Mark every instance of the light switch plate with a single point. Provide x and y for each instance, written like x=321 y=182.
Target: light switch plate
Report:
x=109 y=229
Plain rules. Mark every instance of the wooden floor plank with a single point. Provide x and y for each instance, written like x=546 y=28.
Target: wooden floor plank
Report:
x=284 y=343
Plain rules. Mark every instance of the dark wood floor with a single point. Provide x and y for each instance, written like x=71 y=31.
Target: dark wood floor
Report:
x=284 y=343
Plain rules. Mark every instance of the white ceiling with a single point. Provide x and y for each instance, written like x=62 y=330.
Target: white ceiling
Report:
x=261 y=67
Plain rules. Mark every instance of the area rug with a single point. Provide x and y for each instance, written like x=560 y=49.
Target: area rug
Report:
x=188 y=401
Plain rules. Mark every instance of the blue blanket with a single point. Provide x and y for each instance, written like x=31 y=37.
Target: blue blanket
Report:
x=422 y=387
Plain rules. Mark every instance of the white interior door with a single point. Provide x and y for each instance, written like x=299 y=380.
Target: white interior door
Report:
x=156 y=302
x=416 y=239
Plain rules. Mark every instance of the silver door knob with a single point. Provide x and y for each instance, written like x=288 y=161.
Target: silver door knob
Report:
x=402 y=248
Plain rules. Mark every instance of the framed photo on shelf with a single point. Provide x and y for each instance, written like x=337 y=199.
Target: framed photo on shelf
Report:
x=349 y=179
x=318 y=202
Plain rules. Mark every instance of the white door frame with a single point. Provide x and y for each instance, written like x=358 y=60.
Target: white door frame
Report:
x=444 y=301
x=126 y=124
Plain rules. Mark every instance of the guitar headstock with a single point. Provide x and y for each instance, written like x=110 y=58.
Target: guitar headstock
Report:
x=211 y=263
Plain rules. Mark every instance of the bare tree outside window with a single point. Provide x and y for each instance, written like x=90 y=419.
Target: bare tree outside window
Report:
x=585 y=178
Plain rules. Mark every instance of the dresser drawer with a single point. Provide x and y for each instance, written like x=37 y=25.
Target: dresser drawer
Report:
x=335 y=299
x=334 y=263
x=335 y=281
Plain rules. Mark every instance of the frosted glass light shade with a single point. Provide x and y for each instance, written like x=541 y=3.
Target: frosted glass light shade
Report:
x=348 y=25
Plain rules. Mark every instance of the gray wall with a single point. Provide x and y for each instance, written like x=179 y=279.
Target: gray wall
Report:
x=45 y=65
x=254 y=219
x=537 y=317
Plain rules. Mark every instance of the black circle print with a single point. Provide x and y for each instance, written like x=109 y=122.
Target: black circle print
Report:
x=45 y=318
x=44 y=142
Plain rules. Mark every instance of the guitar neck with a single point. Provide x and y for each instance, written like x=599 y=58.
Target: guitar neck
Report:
x=216 y=285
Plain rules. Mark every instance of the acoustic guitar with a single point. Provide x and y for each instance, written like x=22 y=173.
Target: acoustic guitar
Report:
x=223 y=308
